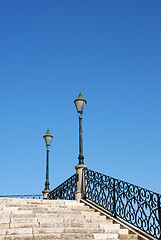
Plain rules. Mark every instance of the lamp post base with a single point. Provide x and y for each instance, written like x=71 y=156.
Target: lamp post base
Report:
x=81 y=182
x=46 y=194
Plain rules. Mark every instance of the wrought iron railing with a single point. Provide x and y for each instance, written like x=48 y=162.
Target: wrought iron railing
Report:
x=135 y=205
x=35 y=196
x=66 y=190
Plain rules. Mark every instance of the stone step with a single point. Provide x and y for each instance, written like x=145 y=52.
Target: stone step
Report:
x=17 y=201
x=21 y=212
x=49 y=219
x=65 y=218
x=129 y=236
x=46 y=208
x=19 y=237
x=50 y=211
x=18 y=219
x=117 y=231
x=97 y=236
x=24 y=224
x=77 y=236
x=9 y=209
x=47 y=236
x=67 y=211
x=66 y=230
x=121 y=231
x=70 y=225
x=64 y=236
x=114 y=228
x=19 y=231
x=69 y=218
x=94 y=217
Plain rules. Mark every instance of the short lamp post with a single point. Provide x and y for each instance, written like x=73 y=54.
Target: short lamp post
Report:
x=48 y=139
x=80 y=168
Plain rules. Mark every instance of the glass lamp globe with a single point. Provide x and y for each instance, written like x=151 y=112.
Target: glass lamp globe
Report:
x=80 y=103
x=48 y=138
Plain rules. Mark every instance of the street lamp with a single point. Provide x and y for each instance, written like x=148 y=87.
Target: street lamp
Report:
x=80 y=103
x=48 y=139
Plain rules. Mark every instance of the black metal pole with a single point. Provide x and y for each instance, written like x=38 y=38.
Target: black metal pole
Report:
x=114 y=199
x=47 y=171
x=81 y=158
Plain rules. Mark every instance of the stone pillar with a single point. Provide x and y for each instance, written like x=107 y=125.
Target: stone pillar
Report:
x=46 y=194
x=81 y=181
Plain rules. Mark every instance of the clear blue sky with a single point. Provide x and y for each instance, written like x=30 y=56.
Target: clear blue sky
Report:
x=51 y=50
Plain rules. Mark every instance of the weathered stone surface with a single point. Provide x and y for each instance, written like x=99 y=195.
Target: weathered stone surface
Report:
x=23 y=224
x=19 y=237
x=25 y=219
x=19 y=231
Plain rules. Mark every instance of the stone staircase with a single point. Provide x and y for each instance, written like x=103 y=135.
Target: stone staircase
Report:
x=56 y=219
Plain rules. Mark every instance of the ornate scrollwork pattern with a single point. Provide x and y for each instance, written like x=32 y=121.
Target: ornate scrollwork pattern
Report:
x=66 y=190
x=136 y=205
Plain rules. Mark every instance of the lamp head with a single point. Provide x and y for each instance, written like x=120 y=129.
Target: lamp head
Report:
x=48 y=138
x=80 y=103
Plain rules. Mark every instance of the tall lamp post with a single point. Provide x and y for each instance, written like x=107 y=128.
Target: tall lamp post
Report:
x=80 y=168
x=48 y=139
x=80 y=103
